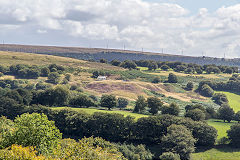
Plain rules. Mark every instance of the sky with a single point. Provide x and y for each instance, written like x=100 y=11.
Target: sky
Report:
x=188 y=27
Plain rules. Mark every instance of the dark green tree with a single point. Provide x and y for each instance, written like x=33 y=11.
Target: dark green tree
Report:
x=108 y=101
x=54 y=78
x=155 y=104
x=196 y=115
x=189 y=86
x=172 y=78
x=172 y=109
x=140 y=104
x=233 y=135
x=122 y=102
x=226 y=113
x=178 y=140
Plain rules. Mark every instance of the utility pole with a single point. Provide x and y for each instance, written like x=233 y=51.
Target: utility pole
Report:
x=124 y=47
x=182 y=52
x=162 y=50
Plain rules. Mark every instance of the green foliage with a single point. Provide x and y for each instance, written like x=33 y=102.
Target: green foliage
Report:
x=128 y=64
x=132 y=152
x=206 y=91
x=115 y=62
x=7 y=128
x=233 y=135
x=108 y=101
x=165 y=67
x=87 y=148
x=35 y=130
x=169 y=156
x=178 y=140
x=196 y=115
x=103 y=61
x=54 y=78
x=172 y=109
x=189 y=86
x=122 y=102
x=155 y=104
x=220 y=98
x=45 y=72
x=81 y=101
x=16 y=152
x=140 y=104
x=226 y=113
x=172 y=78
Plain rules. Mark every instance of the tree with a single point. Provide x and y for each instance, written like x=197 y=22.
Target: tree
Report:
x=229 y=70
x=189 y=86
x=206 y=91
x=172 y=78
x=54 y=78
x=152 y=66
x=178 y=140
x=237 y=116
x=45 y=72
x=169 y=156
x=233 y=135
x=172 y=109
x=198 y=70
x=81 y=101
x=220 y=98
x=36 y=130
x=140 y=104
x=122 y=102
x=103 y=61
x=195 y=114
x=108 y=101
x=226 y=113
x=165 y=67
x=128 y=64
x=60 y=95
x=115 y=62
x=155 y=104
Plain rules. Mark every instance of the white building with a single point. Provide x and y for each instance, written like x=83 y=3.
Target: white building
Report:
x=101 y=78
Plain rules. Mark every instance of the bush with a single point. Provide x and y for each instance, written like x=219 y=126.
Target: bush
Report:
x=172 y=78
x=165 y=67
x=226 y=113
x=140 y=104
x=155 y=104
x=122 y=103
x=81 y=101
x=108 y=101
x=189 y=86
x=36 y=130
x=172 y=109
x=169 y=156
x=220 y=98
x=196 y=115
x=233 y=135
x=178 y=140
x=54 y=78
x=206 y=91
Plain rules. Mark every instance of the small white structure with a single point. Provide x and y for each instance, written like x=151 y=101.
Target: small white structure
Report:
x=101 y=78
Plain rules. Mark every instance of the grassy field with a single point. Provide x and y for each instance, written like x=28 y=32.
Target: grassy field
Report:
x=234 y=100
x=220 y=126
x=218 y=153
x=91 y=111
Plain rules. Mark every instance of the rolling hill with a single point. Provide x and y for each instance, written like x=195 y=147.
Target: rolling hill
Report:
x=110 y=54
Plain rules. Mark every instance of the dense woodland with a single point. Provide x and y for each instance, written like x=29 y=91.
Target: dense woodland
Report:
x=32 y=129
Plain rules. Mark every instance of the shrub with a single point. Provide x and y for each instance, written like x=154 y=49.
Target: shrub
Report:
x=108 y=101
x=36 y=130
x=169 y=156
x=54 y=78
x=172 y=109
x=156 y=80
x=178 y=140
x=122 y=103
x=196 y=115
x=81 y=101
x=233 y=135
x=172 y=78
x=226 y=113
x=189 y=86
x=206 y=91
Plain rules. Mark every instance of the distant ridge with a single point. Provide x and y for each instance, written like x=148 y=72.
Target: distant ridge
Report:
x=110 y=54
